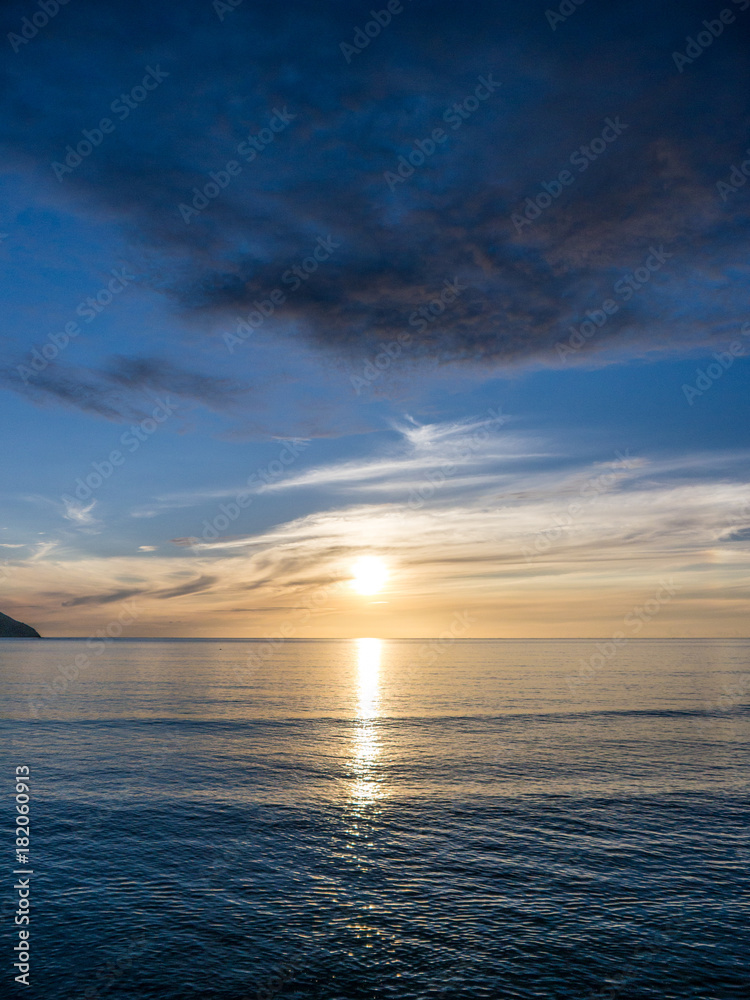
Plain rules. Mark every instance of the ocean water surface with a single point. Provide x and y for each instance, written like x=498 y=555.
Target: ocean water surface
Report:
x=354 y=819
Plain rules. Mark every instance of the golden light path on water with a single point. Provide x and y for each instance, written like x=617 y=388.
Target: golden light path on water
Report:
x=366 y=788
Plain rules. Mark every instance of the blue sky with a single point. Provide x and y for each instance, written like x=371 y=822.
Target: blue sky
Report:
x=529 y=303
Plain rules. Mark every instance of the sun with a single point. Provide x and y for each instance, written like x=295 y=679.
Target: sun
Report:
x=369 y=575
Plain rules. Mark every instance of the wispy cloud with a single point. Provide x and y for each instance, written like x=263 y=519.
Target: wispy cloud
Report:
x=43 y=549
x=557 y=548
x=473 y=448
x=79 y=513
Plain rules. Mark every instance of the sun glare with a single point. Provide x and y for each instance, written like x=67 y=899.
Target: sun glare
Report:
x=369 y=575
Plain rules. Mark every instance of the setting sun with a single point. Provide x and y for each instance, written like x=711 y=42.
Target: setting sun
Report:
x=369 y=575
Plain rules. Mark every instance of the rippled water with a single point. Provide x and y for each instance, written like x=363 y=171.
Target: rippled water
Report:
x=492 y=824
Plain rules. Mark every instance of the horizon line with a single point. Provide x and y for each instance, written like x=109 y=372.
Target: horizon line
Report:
x=427 y=638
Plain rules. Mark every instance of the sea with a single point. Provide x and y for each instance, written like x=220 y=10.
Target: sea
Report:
x=366 y=818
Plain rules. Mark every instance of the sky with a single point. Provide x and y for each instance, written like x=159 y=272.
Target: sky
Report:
x=459 y=292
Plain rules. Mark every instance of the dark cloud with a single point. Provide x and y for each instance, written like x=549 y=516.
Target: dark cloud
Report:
x=125 y=388
x=324 y=174
x=161 y=376
x=283 y=607
x=82 y=389
x=194 y=587
x=110 y=598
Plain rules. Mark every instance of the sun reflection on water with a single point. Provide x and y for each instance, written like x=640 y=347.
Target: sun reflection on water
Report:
x=366 y=787
x=368 y=662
